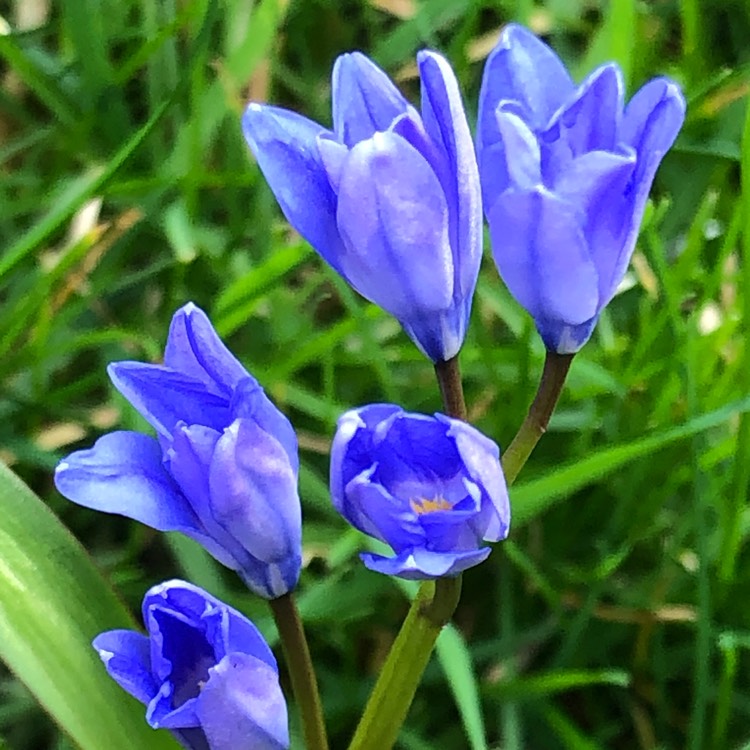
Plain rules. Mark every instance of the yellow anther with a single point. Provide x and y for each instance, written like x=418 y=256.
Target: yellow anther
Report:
x=423 y=505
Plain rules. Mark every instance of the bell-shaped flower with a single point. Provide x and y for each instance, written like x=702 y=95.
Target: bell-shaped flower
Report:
x=203 y=672
x=390 y=198
x=222 y=468
x=430 y=487
x=566 y=171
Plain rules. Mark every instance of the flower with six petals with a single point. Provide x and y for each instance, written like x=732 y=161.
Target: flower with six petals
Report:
x=222 y=468
x=203 y=671
x=566 y=173
x=430 y=487
x=390 y=198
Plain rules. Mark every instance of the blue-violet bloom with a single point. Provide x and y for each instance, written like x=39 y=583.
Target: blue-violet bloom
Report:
x=430 y=487
x=222 y=468
x=390 y=198
x=203 y=671
x=566 y=171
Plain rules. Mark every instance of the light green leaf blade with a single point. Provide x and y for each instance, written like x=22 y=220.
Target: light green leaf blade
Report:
x=455 y=659
x=53 y=602
x=534 y=497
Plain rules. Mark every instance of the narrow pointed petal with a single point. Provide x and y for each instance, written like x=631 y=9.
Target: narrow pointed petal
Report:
x=421 y=564
x=126 y=656
x=165 y=397
x=242 y=706
x=551 y=279
x=589 y=121
x=123 y=474
x=194 y=349
x=285 y=146
x=365 y=101
x=394 y=221
x=481 y=457
x=254 y=499
x=524 y=69
x=445 y=122
x=250 y=402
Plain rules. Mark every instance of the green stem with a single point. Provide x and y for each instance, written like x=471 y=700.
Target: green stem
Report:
x=556 y=368
x=431 y=609
x=299 y=664
x=451 y=389
x=398 y=681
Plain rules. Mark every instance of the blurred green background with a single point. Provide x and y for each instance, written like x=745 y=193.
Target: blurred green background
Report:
x=618 y=614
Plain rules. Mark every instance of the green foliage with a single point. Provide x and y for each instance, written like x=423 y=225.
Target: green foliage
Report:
x=617 y=616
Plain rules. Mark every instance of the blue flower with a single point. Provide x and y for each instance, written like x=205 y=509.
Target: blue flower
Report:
x=430 y=487
x=222 y=469
x=203 y=671
x=389 y=198
x=566 y=172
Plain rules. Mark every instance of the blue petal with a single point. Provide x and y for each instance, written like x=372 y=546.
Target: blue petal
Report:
x=563 y=338
x=365 y=101
x=351 y=452
x=189 y=460
x=589 y=121
x=285 y=146
x=422 y=564
x=254 y=498
x=653 y=119
x=333 y=156
x=126 y=656
x=123 y=473
x=165 y=397
x=597 y=183
x=379 y=514
x=241 y=705
x=523 y=69
x=543 y=257
x=445 y=122
x=481 y=458
x=416 y=446
x=394 y=222
x=513 y=161
x=251 y=402
x=194 y=349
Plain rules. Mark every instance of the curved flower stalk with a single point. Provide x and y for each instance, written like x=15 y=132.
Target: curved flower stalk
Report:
x=390 y=198
x=430 y=487
x=203 y=671
x=222 y=469
x=566 y=173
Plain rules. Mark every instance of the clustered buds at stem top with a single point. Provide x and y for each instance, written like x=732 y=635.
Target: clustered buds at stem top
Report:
x=430 y=487
x=222 y=469
x=390 y=198
x=203 y=671
x=566 y=172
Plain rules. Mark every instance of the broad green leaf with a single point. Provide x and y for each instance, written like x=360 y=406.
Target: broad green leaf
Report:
x=53 y=602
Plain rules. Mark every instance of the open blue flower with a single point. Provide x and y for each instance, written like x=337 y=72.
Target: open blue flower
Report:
x=203 y=671
x=566 y=173
x=430 y=487
x=222 y=468
x=389 y=198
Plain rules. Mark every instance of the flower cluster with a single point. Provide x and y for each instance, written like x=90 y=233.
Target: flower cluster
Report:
x=391 y=198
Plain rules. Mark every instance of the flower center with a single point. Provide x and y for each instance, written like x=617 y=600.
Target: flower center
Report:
x=422 y=505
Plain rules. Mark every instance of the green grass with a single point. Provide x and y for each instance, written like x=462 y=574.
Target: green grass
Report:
x=618 y=617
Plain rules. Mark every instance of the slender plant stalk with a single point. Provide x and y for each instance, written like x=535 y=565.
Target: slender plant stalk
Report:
x=451 y=388
x=397 y=683
x=431 y=609
x=299 y=664
x=556 y=368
